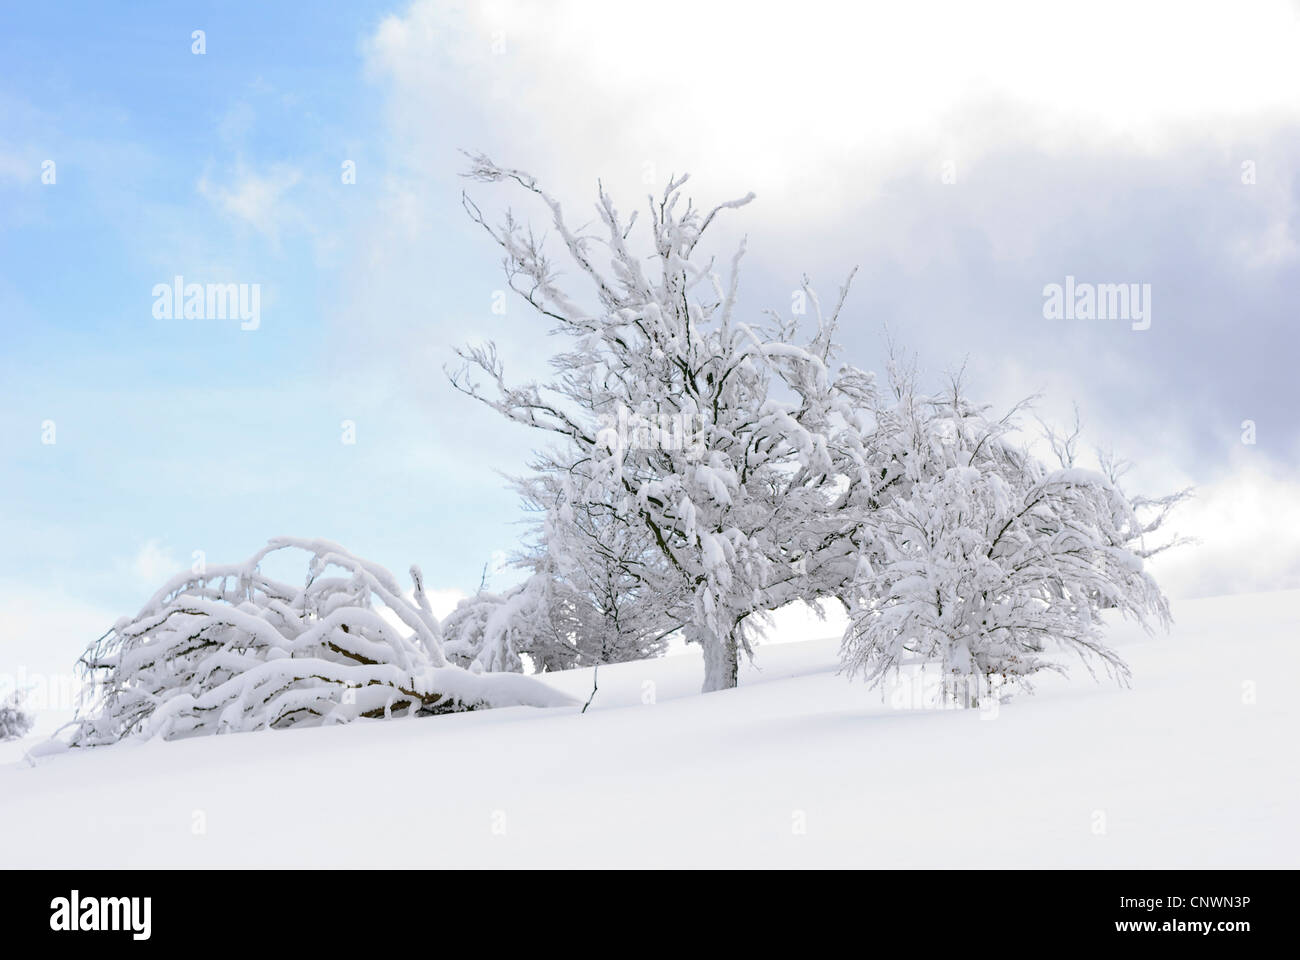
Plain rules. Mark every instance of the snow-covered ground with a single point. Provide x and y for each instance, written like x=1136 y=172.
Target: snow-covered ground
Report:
x=1195 y=766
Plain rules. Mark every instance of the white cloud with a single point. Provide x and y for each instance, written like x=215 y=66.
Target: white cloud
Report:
x=256 y=199
x=819 y=109
x=1248 y=525
x=831 y=99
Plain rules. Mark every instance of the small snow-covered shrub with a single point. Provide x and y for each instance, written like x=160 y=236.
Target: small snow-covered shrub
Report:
x=15 y=722
x=229 y=649
x=598 y=590
x=553 y=624
x=614 y=598
x=490 y=631
x=985 y=561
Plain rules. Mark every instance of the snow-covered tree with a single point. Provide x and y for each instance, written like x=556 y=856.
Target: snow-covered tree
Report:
x=230 y=649
x=591 y=614
x=494 y=631
x=982 y=559
x=755 y=510
x=15 y=721
x=618 y=595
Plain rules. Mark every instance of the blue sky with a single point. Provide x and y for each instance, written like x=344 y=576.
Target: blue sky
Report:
x=962 y=161
x=154 y=418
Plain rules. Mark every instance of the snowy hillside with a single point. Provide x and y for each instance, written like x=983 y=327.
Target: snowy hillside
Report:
x=1194 y=766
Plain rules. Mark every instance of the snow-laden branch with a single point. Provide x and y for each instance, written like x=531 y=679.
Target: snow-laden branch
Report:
x=229 y=649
